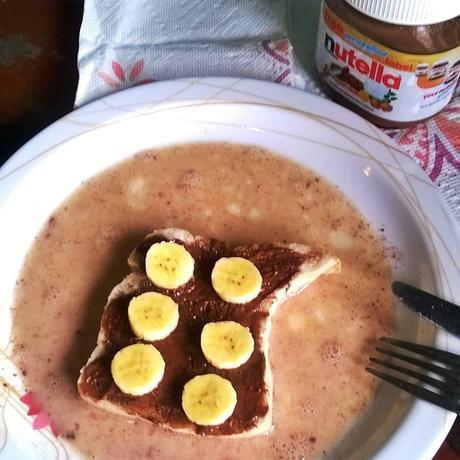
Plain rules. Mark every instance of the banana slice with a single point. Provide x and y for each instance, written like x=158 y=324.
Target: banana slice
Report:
x=208 y=399
x=153 y=316
x=137 y=369
x=236 y=280
x=168 y=265
x=226 y=344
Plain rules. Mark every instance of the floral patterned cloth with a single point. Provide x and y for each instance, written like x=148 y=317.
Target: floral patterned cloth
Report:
x=169 y=39
x=435 y=146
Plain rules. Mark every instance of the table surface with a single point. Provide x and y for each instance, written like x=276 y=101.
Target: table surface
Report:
x=38 y=79
x=38 y=66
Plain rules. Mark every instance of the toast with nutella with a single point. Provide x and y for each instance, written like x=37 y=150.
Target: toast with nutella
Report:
x=184 y=337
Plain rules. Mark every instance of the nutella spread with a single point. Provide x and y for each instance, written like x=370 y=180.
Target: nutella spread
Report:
x=284 y=269
x=395 y=62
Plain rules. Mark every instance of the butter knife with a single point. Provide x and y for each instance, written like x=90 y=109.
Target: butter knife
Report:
x=442 y=313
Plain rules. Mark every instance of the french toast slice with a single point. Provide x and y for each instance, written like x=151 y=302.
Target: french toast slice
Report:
x=285 y=268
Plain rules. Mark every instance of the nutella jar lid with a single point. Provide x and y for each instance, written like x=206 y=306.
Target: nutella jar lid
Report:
x=408 y=12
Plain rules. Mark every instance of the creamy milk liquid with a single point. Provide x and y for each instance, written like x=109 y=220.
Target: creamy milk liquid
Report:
x=320 y=339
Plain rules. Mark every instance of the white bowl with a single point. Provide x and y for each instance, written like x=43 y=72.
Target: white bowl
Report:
x=383 y=182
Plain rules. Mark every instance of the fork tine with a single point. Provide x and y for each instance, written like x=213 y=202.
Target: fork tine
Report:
x=422 y=377
x=439 y=355
x=417 y=391
x=446 y=373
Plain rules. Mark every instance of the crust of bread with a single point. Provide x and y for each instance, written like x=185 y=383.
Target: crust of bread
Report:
x=308 y=272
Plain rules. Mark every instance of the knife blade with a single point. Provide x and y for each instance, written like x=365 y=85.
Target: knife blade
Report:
x=440 y=312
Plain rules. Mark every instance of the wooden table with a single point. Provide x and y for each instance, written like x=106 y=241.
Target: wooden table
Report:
x=38 y=78
x=38 y=66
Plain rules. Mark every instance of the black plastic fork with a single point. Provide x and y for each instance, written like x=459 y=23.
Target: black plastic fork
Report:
x=441 y=389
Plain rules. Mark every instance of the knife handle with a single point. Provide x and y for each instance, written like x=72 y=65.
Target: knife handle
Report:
x=441 y=312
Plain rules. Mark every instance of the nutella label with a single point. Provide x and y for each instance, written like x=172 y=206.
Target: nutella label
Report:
x=387 y=83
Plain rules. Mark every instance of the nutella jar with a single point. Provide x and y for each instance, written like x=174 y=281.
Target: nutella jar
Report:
x=394 y=62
